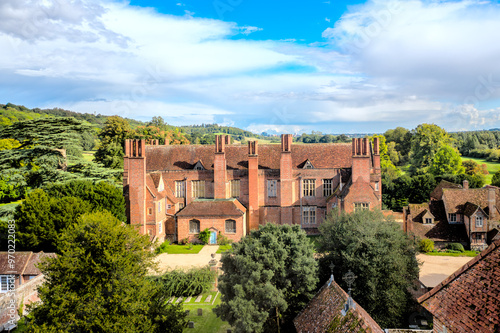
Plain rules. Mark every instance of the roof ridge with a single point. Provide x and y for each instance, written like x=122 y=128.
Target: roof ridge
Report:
x=26 y=263
x=460 y=271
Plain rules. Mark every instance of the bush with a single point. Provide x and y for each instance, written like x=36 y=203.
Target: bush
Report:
x=426 y=245
x=204 y=236
x=184 y=241
x=223 y=240
x=455 y=247
x=185 y=283
x=163 y=247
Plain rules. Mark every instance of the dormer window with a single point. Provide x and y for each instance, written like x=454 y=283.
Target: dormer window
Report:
x=198 y=166
x=479 y=221
x=308 y=165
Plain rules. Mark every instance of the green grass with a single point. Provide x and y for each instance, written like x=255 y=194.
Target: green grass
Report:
x=224 y=248
x=182 y=249
x=209 y=322
x=15 y=203
x=21 y=326
x=492 y=167
x=448 y=254
x=88 y=155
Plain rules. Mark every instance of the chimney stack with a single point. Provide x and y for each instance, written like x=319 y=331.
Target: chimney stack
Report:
x=220 y=174
x=465 y=184
x=492 y=203
x=253 y=186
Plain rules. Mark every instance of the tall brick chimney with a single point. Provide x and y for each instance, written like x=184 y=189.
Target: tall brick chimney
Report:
x=220 y=174
x=253 y=185
x=286 y=179
x=134 y=183
x=492 y=203
x=360 y=159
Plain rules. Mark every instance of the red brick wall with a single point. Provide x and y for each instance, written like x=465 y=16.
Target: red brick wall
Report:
x=254 y=192
x=137 y=192
x=217 y=223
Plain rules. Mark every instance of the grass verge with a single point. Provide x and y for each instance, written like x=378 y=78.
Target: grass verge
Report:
x=182 y=249
x=208 y=322
x=452 y=254
x=224 y=248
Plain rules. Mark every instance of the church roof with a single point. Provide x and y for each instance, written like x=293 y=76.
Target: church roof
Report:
x=324 y=314
x=468 y=300
x=185 y=157
x=213 y=207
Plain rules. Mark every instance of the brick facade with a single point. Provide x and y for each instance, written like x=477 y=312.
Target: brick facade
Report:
x=283 y=184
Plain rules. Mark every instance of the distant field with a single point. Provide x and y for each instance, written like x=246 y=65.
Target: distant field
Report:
x=492 y=167
x=88 y=155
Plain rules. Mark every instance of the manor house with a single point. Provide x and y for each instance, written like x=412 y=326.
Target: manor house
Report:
x=176 y=191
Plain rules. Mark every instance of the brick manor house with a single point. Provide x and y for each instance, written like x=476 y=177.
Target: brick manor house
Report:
x=176 y=191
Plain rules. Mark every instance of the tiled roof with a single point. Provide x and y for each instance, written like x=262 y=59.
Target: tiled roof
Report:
x=438 y=191
x=455 y=199
x=470 y=209
x=441 y=230
x=469 y=299
x=213 y=207
x=24 y=262
x=185 y=157
x=323 y=314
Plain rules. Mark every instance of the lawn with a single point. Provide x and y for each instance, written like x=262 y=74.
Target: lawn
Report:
x=453 y=254
x=208 y=322
x=224 y=248
x=182 y=249
x=492 y=167
x=88 y=155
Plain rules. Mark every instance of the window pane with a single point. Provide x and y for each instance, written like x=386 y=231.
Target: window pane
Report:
x=180 y=189
x=271 y=188
x=198 y=189
x=309 y=187
x=327 y=187
x=235 y=188
x=194 y=226
x=231 y=226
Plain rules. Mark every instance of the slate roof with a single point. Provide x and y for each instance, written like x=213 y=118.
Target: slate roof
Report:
x=469 y=299
x=323 y=314
x=438 y=191
x=441 y=230
x=25 y=262
x=213 y=207
x=185 y=157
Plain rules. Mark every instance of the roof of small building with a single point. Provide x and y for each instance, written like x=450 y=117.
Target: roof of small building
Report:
x=324 y=313
x=24 y=263
x=438 y=191
x=455 y=199
x=213 y=207
x=185 y=157
x=441 y=230
x=468 y=300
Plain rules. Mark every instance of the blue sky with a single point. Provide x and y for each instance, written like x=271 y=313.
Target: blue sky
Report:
x=275 y=66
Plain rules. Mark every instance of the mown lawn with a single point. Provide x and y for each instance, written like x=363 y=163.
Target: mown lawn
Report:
x=224 y=248
x=492 y=167
x=208 y=322
x=182 y=249
x=453 y=254
x=88 y=155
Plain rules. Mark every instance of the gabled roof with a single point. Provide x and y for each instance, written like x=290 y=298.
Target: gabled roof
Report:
x=469 y=299
x=438 y=191
x=213 y=207
x=25 y=263
x=324 y=314
x=455 y=199
x=470 y=209
x=199 y=166
x=185 y=157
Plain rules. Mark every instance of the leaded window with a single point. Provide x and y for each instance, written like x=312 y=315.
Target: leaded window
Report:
x=180 y=189
x=230 y=226
x=327 y=187
x=198 y=188
x=308 y=215
x=272 y=188
x=194 y=227
x=309 y=187
x=358 y=206
x=235 y=188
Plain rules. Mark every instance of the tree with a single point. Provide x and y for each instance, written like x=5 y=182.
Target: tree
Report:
x=40 y=219
x=447 y=161
x=385 y=159
x=427 y=139
x=112 y=136
x=98 y=282
x=495 y=181
x=382 y=257
x=268 y=278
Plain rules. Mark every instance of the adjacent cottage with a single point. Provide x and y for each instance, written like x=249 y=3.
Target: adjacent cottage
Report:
x=178 y=191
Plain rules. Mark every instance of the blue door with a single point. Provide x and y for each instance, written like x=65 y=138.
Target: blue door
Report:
x=213 y=237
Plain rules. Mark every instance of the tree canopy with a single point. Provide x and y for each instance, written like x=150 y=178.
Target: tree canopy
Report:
x=382 y=257
x=426 y=141
x=447 y=161
x=98 y=282
x=268 y=278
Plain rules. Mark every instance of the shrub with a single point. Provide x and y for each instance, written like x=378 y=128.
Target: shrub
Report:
x=204 y=236
x=426 y=245
x=455 y=247
x=163 y=247
x=223 y=240
x=186 y=283
x=184 y=241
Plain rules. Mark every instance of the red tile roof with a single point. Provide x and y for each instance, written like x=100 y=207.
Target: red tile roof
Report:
x=438 y=191
x=185 y=157
x=469 y=299
x=24 y=262
x=213 y=207
x=455 y=199
x=323 y=314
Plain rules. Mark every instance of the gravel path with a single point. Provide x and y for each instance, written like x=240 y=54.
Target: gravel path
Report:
x=167 y=262
x=436 y=268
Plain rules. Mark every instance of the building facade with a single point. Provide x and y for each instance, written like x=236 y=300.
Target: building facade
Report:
x=177 y=191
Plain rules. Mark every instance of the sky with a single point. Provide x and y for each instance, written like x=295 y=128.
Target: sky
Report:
x=333 y=66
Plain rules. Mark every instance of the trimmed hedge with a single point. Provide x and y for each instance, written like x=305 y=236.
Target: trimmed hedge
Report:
x=185 y=283
x=456 y=247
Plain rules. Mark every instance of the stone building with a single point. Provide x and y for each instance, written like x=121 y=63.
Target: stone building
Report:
x=176 y=191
